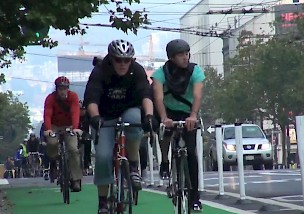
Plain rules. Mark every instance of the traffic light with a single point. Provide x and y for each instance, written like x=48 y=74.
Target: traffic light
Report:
x=35 y=36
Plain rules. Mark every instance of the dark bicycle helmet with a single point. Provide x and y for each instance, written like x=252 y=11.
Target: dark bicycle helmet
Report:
x=176 y=46
x=121 y=49
x=62 y=81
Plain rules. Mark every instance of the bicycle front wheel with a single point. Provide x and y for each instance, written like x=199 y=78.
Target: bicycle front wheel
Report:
x=184 y=187
x=124 y=189
x=65 y=178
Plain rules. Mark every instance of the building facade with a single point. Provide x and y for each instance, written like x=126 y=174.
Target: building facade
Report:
x=279 y=21
x=259 y=25
x=77 y=68
x=207 y=51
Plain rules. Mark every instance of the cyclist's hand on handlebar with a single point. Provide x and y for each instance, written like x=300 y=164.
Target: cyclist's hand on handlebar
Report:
x=78 y=132
x=96 y=122
x=168 y=122
x=191 y=123
x=48 y=133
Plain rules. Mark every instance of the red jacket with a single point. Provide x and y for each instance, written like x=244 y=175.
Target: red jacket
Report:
x=55 y=115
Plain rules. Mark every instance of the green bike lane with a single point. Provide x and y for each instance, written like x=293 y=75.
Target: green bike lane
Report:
x=46 y=200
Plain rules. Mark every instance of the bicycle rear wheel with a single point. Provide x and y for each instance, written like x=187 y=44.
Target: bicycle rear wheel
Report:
x=184 y=187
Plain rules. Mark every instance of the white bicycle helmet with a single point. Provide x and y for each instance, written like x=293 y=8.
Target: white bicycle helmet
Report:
x=121 y=49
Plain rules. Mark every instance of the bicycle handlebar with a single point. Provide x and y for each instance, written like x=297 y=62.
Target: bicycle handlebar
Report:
x=179 y=124
x=34 y=153
x=60 y=132
x=122 y=124
x=176 y=125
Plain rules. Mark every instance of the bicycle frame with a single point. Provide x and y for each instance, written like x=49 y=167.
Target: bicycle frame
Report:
x=121 y=171
x=179 y=183
x=64 y=173
x=34 y=162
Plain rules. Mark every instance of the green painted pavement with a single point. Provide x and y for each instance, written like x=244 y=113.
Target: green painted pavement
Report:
x=49 y=201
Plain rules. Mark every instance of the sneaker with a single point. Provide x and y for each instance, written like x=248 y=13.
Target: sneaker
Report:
x=135 y=179
x=103 y=208
x=164 y=170
x=197 y=206
x=76 y=186
x=46 y=176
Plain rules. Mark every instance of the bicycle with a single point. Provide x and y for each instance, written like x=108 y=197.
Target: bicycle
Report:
x=35 y=163
x=121 y=192
x=179 y=180
x=64 y=178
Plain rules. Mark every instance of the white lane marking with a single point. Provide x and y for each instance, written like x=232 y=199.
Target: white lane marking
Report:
x=263 y=200
x=234 y=177
x=269 y=182
x=289 y=198
x=4 y=182
x=278 y=173
x=209 y=203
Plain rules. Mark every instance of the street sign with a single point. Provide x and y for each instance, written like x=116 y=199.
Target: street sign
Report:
x=210 y=129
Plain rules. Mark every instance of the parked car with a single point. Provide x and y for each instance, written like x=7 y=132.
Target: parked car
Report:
x=257 y=149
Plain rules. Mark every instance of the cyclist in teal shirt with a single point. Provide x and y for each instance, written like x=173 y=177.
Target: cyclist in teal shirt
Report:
x=178 y=88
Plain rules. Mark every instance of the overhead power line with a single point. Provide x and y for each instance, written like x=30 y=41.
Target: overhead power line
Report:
x=211 y=33
x=242 y=11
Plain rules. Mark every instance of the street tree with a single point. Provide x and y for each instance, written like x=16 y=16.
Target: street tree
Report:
x=212 y=84
x=279 y=75
x=237 y=99
x=14 y=123
x=24 y=23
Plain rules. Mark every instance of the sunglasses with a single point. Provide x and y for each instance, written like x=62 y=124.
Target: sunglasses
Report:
x=122 y=60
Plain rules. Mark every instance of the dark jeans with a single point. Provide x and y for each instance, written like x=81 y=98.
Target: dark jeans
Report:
x=87 y=154
x=143 y=153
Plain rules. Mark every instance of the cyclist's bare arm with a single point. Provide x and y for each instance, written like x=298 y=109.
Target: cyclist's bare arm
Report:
x=158 y=93
x=197 y=97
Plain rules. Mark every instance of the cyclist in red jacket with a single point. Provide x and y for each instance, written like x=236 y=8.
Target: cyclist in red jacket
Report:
x=61 y=111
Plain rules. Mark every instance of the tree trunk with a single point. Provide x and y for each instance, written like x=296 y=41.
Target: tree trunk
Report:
x=284 y=145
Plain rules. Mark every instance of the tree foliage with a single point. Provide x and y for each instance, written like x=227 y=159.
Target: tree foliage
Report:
x=26 y=22
x=212 y=85
x=266 y=81
x=14 y=123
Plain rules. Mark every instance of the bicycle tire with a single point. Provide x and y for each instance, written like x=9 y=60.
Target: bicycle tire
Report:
x=184 y=187
x=171 y=189
x=112 y=198
x=64 y=175
x=124 y=189
x=66 y=179
x=135 y=197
